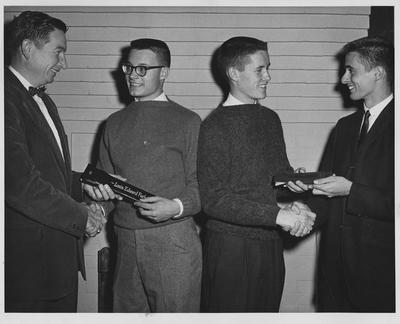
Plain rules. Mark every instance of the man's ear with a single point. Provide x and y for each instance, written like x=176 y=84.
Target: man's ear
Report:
x=233 y=73
x=164 y=73
x=379 y=72
x=26 y=48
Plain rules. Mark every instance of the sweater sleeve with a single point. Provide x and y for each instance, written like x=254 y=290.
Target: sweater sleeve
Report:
x=190 y=196
x=217 y=198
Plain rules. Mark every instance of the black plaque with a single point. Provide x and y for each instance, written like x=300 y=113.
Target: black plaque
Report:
x=307 y=178
x=128 y=192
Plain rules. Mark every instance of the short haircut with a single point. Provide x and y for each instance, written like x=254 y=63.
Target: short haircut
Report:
x=158 y=47
x=33 y=25
x=233 y=52
x=374 y=51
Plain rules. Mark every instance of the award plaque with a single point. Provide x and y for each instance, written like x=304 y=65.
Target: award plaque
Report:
x=307 y=178
x=128 y=192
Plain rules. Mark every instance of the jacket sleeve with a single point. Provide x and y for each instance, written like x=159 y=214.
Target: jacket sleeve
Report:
x=27 y=192
x=217 y=199
x=320 y=204
x=371 y=202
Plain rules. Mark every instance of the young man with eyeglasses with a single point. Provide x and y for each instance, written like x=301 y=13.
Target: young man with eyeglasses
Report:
x=153 y=144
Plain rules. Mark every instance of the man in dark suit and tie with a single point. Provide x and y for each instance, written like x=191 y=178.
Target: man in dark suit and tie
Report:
x=44 y=225
x=355 y=206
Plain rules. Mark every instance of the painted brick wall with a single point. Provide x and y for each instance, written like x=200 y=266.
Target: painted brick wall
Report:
x=302 y=44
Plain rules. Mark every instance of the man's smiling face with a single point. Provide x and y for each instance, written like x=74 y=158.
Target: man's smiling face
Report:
x=47 y=59
x=360 y=80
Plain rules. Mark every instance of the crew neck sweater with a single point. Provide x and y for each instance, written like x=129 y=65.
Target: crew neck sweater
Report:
x=241 y=147
x=153 y=144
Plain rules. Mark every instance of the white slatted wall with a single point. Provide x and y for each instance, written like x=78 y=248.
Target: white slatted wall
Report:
x=302 y=44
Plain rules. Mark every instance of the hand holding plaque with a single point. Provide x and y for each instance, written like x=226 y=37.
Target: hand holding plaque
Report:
x=307 y=178
x=128 y=192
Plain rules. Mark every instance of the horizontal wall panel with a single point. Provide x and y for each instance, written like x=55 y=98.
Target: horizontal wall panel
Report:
x=12 y=10
x=81 y=150
x=211 y=20
x=303 y=147
x=207 y=34
x=113 y=48
x=81 y=126
x=281 y=62
x=203 y=76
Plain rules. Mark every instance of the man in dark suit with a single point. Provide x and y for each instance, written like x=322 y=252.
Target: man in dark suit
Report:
x=356 y=270
x=44 y=225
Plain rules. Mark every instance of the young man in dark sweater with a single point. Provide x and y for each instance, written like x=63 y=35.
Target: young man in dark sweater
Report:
x=241 y=147
x=153 y=144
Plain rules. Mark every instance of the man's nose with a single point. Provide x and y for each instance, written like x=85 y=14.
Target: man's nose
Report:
x=345 y=77
x=63 y=61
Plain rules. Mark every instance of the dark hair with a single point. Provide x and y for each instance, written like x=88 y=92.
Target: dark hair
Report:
x=159 y=47
x=33 y=25
x=234 y=51
x=373 y=51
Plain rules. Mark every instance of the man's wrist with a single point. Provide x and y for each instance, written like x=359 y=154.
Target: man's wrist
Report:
x=179 y=202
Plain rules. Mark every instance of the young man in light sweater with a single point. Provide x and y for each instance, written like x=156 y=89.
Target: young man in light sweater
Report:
x=241 y=147
x=153 y=144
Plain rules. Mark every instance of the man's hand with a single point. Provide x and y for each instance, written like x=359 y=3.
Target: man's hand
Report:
x=332 y=186
x=157 y=209
x=102 y=192
x=298 y=218
x=95 y=221
x=298 y=186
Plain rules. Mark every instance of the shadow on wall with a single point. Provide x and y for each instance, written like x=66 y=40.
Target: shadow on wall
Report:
x=219 y=76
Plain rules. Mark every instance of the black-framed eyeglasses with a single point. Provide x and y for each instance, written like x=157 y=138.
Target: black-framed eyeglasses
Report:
x=140 y=70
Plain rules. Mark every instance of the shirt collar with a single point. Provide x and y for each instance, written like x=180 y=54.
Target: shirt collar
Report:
x=161 y=97
x=377 y=109
x=24 y=81
x=233 y=101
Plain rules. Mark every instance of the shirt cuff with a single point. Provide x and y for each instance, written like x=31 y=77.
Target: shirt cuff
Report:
x=102 y=210
x=180 y=208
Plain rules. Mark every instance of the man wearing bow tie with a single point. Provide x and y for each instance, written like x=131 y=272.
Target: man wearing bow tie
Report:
x=44 y=225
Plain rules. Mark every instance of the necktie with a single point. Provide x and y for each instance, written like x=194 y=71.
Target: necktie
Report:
x=364 y=128
x=37 y=91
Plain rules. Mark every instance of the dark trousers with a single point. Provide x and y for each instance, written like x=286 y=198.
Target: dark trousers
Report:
x=241 y=274
x=67 y=304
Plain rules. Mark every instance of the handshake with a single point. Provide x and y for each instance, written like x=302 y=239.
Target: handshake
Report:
x=96 y=219
x=297 y=218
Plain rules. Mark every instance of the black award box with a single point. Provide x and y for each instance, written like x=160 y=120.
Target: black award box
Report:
x=128 y=192
x=307 y=178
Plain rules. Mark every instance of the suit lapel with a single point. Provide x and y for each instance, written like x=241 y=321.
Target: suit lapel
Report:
x=31 y=108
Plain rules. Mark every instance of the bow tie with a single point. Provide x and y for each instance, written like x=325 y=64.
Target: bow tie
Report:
x=37 y=91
